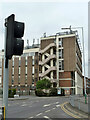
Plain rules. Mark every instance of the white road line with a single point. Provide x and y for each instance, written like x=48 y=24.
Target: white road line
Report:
x=57 y=102
x=58 y=105
x=48 y=111
x=39 y=114
x=47 y=117
x=47 y=105
x=54 y=108
x=31 y=117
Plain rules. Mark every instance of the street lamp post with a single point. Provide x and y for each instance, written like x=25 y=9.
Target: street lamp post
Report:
x=83 y=57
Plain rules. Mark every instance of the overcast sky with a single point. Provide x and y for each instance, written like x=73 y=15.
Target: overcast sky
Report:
x=49 y=17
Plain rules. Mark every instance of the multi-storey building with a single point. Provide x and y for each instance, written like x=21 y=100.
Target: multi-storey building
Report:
x=58 y=58
x=23 y=70
x=61 y=62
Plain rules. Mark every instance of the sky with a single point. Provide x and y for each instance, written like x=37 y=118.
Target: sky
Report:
x=46 y=16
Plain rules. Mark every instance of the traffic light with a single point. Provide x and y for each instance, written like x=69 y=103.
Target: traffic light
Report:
x=14 y=34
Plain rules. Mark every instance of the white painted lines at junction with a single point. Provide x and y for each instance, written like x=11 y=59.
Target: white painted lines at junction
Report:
x=31 y=117
x=39 y=114
x=47 y=105
x=54 y=108
x=50 y=104
x=58 y=105
x=47 y=117
x=48 y=111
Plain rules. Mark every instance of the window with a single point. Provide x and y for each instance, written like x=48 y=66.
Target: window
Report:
x=13 y=63
x=60 y=53
x=26 y=70
x=19 y=62
x=32 y=61
x=12 y=79
x=25 y=62
x=33 y=70
x=32 y=80
x=26 y=79
x=60 y=42
x=19 y=79
x=13 y=71
x=61 y=65
x=19 y=70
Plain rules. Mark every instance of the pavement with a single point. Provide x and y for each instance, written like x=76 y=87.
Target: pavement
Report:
x=77 y=108
x=19 y=98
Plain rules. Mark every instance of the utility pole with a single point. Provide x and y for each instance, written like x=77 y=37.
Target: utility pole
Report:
x=13 y=46
x=5 y=79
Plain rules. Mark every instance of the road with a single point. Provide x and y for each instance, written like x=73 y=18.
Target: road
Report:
x=37 y=107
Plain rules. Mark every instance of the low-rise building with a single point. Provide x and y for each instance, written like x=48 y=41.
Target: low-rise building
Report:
x=61 y=62
x=57 y=58
x=23 y=71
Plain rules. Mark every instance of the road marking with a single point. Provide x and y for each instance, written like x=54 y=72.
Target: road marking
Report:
x=57 y=102
x=39 y=114
x=48 y=111
x=84 y=116
x=54 y=108
x=31 y=117
x=69 y=113
x=47 y=105
x=47 y=117
x=58 y=105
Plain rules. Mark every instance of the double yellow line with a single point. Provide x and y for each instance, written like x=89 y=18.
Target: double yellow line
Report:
x=4 y=112
x=71 y=114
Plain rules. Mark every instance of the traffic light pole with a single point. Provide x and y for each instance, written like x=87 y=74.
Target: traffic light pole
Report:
x=5 y=81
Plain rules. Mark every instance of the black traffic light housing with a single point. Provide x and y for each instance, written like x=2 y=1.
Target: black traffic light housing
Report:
x=14 y=34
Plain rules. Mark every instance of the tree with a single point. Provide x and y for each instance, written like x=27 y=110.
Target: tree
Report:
x=43 y=84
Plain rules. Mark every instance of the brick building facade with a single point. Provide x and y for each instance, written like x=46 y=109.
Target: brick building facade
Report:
x=23 y=71
x=61 y=62
x=58 y=58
